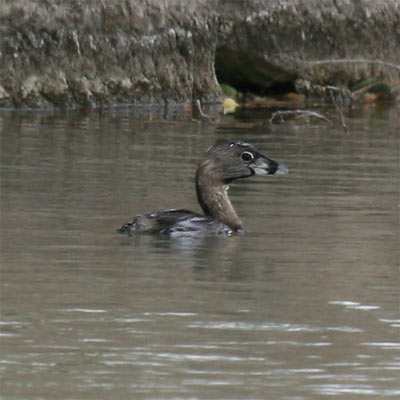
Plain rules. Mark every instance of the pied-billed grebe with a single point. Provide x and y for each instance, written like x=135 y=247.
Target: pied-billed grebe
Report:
x=221 y=164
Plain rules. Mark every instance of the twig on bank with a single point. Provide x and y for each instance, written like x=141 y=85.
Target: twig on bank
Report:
x=200 y=110
x=299 y=113
x=338 y=103
x=305 y=86
x=351 y=61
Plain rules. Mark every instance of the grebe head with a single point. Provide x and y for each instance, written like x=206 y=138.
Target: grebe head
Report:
x=230 y=160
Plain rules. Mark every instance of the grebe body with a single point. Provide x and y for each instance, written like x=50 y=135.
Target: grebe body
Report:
x=222 y=164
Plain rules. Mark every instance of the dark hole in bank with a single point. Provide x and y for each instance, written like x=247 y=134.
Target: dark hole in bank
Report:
x=247 y=72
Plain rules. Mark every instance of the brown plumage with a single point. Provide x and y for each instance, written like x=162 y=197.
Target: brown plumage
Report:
x=221 y=164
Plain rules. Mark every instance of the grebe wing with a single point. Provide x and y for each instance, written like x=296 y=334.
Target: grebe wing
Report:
x=161 y=221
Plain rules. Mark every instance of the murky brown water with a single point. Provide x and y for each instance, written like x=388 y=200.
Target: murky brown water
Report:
x=304 y=306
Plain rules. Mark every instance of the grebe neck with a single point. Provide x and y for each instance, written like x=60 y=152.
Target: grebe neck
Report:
x=212 y=195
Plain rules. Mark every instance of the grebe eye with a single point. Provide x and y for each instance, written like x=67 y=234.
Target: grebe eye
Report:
x=247 y=156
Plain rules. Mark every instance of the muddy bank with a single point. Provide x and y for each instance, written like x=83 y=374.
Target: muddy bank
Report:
x=71 y=53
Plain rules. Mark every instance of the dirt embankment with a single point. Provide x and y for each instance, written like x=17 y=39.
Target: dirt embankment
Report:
x=70 y=53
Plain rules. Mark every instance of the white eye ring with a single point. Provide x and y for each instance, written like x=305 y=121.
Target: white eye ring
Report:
x=247 y=156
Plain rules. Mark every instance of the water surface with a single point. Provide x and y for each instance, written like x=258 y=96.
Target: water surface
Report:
x=305 y=305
